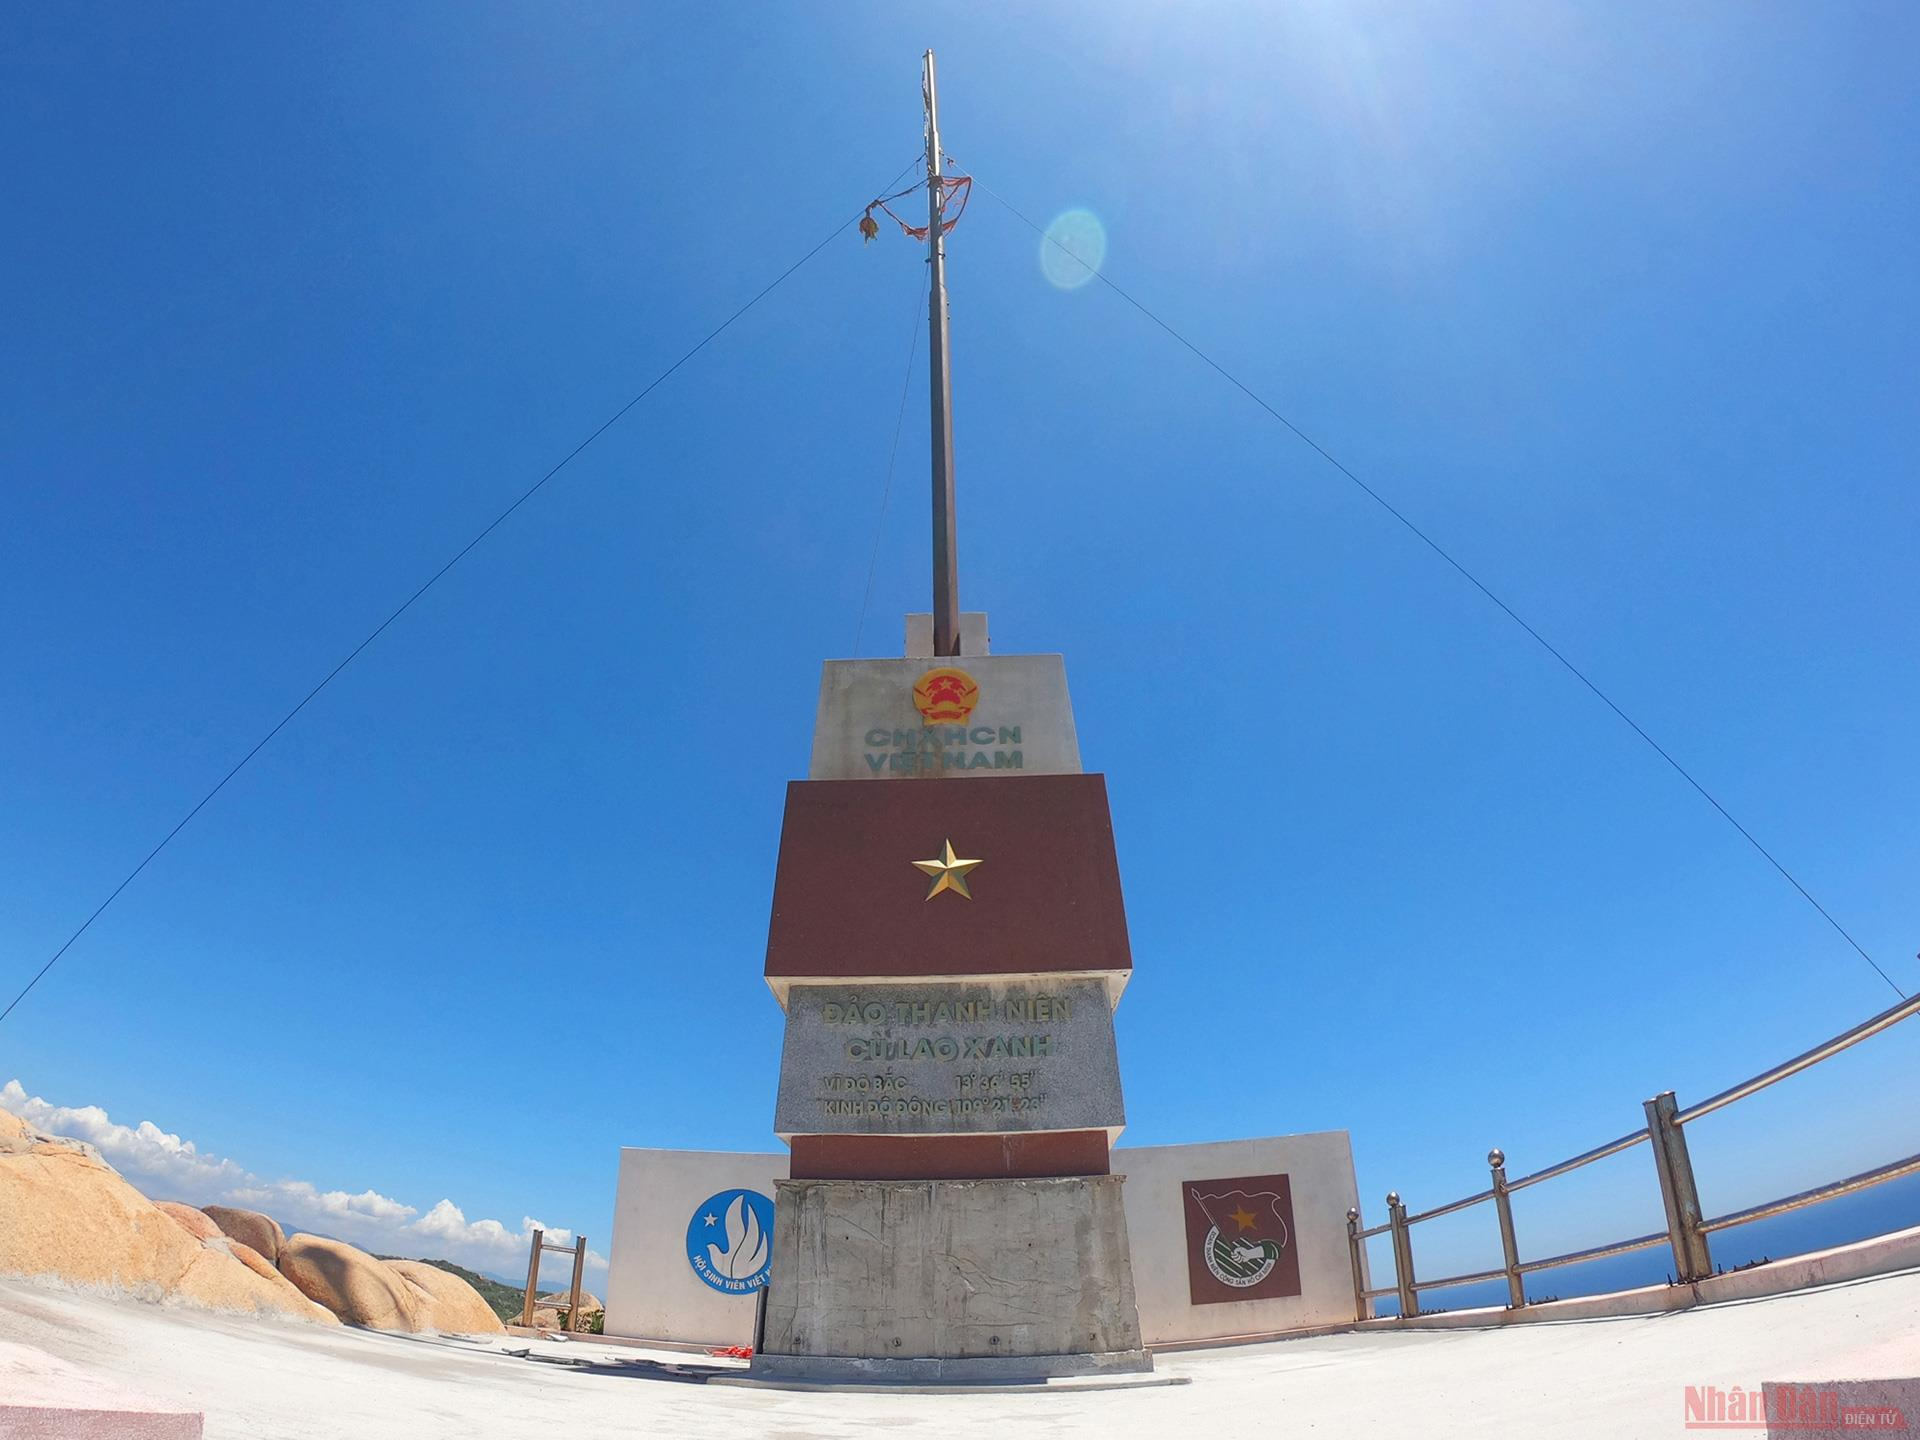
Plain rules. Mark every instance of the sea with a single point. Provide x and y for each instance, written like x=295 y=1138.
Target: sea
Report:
x=1866 y=1213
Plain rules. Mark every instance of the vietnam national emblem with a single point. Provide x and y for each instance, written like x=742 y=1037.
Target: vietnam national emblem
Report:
x=945 y=696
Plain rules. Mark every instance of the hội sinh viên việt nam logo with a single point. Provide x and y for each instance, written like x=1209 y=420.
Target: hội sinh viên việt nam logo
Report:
x=945 y=696
x=730 y=1241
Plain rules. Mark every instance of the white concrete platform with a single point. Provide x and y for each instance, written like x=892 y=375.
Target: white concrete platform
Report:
x=45 y=1398
x=261 y=1380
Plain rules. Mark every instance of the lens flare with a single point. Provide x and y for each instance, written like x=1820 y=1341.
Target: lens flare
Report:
x=1073 y=249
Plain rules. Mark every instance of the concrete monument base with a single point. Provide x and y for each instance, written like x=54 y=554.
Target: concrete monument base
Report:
x=982 y=1371
x=944 y=1279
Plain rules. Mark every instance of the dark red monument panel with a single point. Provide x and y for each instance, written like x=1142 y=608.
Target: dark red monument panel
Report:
x=848 y=901
x=949 y=1157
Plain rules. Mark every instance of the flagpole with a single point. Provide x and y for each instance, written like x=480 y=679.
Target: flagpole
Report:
x=946 y=553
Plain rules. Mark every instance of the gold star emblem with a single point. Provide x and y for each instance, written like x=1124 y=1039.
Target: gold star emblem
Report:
x=1242 y=1217
x=949 y=872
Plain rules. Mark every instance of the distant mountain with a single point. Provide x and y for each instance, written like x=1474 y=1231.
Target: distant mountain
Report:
x=505 y=1300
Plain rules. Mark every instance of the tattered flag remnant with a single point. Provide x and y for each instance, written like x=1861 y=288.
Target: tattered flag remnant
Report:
x=954 y=192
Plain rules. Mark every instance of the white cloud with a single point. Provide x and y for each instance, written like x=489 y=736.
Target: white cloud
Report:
x=167 y=1167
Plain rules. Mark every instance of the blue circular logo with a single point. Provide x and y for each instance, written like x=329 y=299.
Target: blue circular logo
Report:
x=730 y=1241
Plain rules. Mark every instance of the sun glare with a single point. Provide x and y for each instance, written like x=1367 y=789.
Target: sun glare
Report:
x=1073 y=249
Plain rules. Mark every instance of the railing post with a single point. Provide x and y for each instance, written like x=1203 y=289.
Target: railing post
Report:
x=1361 y=1309
x=1509 y=1247
x=533 y=1277
x=1402 y=1256
x=1678 y=1192
x=579 y=1266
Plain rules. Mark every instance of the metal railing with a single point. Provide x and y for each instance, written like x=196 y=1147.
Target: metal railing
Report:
x=1687 y=1224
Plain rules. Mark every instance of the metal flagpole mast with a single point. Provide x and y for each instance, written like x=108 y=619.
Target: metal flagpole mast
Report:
x=946 y=552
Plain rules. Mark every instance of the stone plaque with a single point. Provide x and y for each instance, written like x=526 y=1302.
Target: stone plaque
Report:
x=965 y=716
x=949 y=1058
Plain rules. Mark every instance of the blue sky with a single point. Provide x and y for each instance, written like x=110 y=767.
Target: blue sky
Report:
x=1618 y=302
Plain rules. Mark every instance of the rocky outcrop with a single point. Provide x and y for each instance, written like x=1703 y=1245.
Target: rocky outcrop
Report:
x=548 y=1309
x=196 y=1223
x=70 y=1217
x=221 y=1280
x=17 y=1137
x=447 y=1302
x=352 y=1284
x=66 y=1215
x=561 y=1299
x=250 y=1227
x=256 y=1262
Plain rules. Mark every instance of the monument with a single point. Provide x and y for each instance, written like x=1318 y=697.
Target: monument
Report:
x=948 y=941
